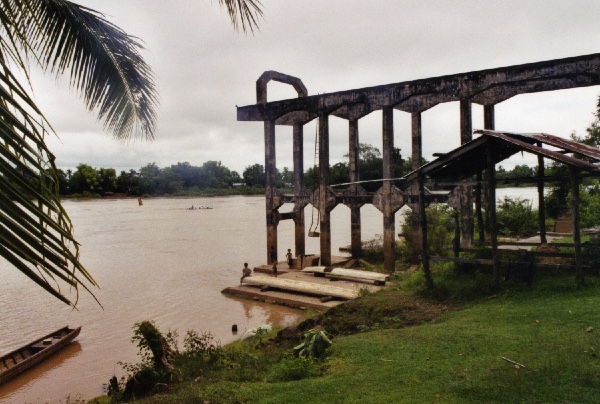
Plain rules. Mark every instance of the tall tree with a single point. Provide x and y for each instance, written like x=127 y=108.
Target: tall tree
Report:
x=107 y=70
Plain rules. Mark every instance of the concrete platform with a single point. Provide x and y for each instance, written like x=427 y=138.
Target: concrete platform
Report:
x=294 y=298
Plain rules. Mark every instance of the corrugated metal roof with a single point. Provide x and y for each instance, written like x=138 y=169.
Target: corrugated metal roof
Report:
x=471 y=158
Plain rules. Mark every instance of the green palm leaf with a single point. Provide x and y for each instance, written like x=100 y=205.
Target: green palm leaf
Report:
x=107 y=70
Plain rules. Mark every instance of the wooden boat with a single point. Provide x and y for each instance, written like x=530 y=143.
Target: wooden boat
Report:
x=27 y=356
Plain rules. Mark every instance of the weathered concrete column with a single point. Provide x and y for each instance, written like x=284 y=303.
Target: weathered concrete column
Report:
x=573 y=172
x=298 y=155
x=466 y=135
x=389 y=239
x=541 y=204
x=417 y=155
x=272 y=213
x=353 y=153
x=324 y=213
x=489 y=117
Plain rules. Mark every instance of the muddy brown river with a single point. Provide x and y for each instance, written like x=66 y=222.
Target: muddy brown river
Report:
x=160 y=261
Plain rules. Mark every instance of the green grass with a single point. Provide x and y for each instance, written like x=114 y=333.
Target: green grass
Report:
x=416 y=349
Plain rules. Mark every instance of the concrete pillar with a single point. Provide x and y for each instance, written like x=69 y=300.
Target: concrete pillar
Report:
x=353 y=153
x=325 y=221
x=466 y=135
x=299 y=226
x=489 y=117
x=417 y=155
x=272 y=213
x=389 y=239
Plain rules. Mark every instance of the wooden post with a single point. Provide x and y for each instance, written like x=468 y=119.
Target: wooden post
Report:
x=576 y=230
x=270 y=173
x=478 y=212
x=491 y=207
x=417 y=155
x=353 y=153
x=325 y=221
x=456 y=241
x=389 y=239
x=423 y=220
x=484 y=225
x=541 y=204
x=299 y=225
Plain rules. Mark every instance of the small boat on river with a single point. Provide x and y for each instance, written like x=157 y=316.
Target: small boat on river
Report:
x=27 y=356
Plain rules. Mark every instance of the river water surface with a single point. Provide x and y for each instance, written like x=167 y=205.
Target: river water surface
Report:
x=159 y=261
x=162 y=262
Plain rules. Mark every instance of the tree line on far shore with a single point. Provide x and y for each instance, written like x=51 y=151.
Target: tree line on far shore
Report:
x=213 y=176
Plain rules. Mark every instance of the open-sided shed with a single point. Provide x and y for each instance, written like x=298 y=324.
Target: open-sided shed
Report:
x=492 y=147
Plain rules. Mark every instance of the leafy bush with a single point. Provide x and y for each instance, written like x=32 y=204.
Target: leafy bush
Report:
x=440 y=230
x=516 y=217
x=314 y=345
x=589 y=206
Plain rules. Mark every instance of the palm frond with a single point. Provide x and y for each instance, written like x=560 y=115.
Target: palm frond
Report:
x=105 y=63
x=243 y=12
x=36 y=235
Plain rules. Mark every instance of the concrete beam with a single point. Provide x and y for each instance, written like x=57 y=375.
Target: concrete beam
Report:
x=485 y=87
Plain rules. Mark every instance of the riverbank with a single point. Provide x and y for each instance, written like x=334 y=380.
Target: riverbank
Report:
x=400 y=345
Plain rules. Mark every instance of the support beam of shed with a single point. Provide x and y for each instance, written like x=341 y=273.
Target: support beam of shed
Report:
x=576 y=227
x=541 y=202
x=491 y=207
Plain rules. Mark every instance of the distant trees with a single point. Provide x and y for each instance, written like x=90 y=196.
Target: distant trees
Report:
x=370 y=167
x=254 y=175
x=178 y=179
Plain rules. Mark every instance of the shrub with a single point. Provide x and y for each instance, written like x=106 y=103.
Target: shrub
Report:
x=440 y=230
x=314 y=345
x=516 y=217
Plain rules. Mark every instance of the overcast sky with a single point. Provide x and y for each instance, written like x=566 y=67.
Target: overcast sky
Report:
x=204 y=69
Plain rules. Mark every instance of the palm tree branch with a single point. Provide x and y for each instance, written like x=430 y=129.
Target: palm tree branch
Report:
x=243 y=12
x=106 y=66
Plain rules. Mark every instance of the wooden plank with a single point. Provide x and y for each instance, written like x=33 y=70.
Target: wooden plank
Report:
x=314 y=269
x=358 y=274
x=347 y=273
x=301 y=286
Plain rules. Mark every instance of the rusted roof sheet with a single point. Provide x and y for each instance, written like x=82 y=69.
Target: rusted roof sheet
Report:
x=471 y=158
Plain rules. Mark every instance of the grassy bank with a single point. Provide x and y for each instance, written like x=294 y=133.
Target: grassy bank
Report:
x=402 y=346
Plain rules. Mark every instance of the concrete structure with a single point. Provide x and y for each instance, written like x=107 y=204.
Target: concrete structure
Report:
x=485 y=87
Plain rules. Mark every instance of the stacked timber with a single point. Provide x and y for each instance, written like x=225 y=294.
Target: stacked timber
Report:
x=350 y=274
x=302 y=287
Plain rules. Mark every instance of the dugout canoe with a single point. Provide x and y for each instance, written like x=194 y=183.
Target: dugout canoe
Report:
x=19 y=360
